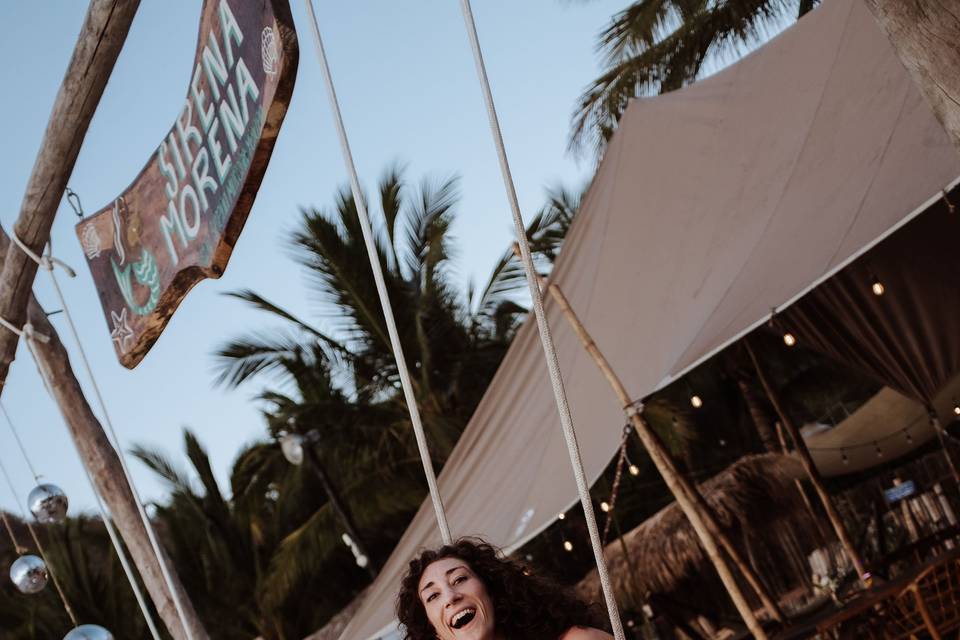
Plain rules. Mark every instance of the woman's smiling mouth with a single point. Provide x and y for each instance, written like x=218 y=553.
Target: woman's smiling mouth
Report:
x=463 y=618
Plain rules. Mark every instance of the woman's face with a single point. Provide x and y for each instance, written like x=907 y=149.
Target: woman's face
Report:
x=456 y=601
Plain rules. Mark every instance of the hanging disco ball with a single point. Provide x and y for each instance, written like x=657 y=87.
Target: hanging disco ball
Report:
x=29 y=574
x=89 y=632
x=48 y=504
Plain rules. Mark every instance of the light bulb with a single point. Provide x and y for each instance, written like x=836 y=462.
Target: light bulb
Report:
x=561 y=516
x=696 y=401
x=789 y=339
x=956 y=409
x=634 y=470
x=605 y=507
x=877 y=287
x=568 y=545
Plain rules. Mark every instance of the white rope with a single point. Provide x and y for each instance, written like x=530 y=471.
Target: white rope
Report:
x=121 y=554
x=47 y=262
x=16 y=436
x=546 y=338
x=381 y=286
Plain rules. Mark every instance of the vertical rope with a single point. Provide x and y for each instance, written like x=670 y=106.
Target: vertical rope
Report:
x=546 y=337
x=40 y=549
x=16 y=436
x=115 y=442
x=381 y=285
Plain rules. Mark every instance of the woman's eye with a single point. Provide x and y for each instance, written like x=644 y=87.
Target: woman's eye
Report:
x=459 y=579
x=431 y=597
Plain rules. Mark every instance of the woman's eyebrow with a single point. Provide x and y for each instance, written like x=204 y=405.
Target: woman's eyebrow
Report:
x=448 y=572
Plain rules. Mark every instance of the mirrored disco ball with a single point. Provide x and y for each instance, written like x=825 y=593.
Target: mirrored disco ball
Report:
x=48 y=504
x=29 y=574
x=89 y=632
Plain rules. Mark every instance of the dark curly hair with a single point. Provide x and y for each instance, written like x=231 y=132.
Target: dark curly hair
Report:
x=525 y=604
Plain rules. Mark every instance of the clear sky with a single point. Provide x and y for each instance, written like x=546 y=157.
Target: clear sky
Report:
x=409 y=93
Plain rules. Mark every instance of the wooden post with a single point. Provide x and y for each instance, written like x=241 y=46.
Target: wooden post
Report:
x=821 y=534
x=100 y=459
x=807 y=461
x=926 y=36
x=938 y=428
x=98 y=46
x=679 y=487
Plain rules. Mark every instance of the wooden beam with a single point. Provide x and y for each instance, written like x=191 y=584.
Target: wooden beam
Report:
x=688 y=498
x=102 y=36
x=926 y=36
x=103 y=463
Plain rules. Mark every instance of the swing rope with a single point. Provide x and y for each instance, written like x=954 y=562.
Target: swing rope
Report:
x=546 y=337
x=107 y=521
x=47 y=262
x=381 y=285
x=40 y=549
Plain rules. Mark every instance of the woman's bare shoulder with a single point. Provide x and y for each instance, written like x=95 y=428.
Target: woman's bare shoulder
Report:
x=585 y=633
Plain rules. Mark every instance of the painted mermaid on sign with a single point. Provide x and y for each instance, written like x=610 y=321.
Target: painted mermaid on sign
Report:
x=128 y=226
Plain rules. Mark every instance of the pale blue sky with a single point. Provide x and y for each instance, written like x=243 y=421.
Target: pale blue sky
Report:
x=408 y=89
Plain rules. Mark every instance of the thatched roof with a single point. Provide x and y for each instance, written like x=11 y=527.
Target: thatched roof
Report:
x=752 y=492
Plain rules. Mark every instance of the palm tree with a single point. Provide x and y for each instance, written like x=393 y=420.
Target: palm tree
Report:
x=340 y=381
x=655 y=46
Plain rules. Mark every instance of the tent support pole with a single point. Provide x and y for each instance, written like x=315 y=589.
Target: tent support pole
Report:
x=938 y=428
x=680 y=487
x=809 y=466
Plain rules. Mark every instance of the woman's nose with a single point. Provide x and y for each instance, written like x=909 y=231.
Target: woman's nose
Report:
x=454 y=597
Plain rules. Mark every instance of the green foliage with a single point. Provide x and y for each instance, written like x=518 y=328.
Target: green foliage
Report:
x=655 y=46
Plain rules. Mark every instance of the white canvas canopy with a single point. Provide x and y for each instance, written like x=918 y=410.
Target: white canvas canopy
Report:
x=712 y=205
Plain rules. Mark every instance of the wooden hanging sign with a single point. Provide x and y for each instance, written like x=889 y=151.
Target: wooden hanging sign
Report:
x=180 y=219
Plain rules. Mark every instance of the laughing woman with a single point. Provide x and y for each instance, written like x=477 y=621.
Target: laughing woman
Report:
x=468 y=591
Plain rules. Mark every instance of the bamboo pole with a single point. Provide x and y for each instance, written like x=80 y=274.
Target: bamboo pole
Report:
x=102 y=35
x=938 y=428
x=100 y=458
x=807 y=461
x=680 y=489
x=821 y=534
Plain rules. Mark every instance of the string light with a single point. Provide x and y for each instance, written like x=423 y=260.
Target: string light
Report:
x=567 y=545
x=789 y=339
x=956 y=408
x=696 y=401
x=877 y=287
x=561 y=516
x=605 y=506
x=634 y=470
x=723 y=442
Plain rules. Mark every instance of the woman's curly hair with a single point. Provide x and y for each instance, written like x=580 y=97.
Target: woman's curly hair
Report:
x=525 y=605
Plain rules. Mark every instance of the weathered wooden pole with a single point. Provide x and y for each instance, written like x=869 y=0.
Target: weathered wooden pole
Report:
x=682 y=490
x=926 y=37
x=100 y=458
x=807 y=461
x=102 y=36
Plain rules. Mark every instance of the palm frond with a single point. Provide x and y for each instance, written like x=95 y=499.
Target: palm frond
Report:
x=656 y=46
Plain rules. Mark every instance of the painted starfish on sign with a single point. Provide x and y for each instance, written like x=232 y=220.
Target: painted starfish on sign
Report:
x=121 y=332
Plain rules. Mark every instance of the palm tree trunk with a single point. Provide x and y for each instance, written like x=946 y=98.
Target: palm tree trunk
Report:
x=682 y=490
x=758 y=412
x=338 y=508
x=926 y=37
x=809 y=467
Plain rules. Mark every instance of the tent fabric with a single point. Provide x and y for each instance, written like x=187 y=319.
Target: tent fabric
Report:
x=907 y=337
x=712 y=205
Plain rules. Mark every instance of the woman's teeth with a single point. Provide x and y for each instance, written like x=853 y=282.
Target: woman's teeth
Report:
x=463 y=618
